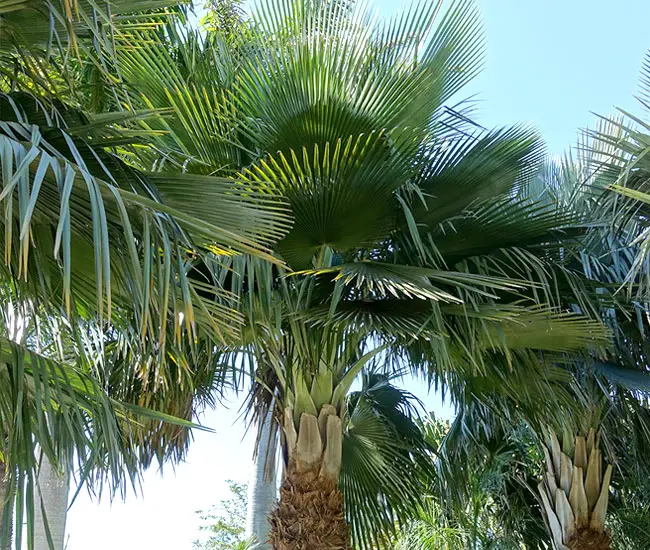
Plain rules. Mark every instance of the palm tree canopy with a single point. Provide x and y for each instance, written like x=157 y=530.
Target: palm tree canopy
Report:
x=411 y=234
x=102 y=314
x=410 y=229
x=389 y=195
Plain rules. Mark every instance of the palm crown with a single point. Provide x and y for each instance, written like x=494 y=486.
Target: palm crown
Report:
x=409 y=240
x=410 y=236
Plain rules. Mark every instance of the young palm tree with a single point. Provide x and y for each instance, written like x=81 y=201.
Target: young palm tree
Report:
x=614 y=159
x=490 y=467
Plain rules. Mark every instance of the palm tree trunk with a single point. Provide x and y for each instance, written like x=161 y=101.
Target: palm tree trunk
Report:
x=262 y=487
x=575 y=495
x=53 y=487
x=309 y=515
x=4 y=493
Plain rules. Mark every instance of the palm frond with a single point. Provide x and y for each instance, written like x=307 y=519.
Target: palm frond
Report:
x=51 y=407
x=46 y=42
x=456 y=173
x=94 y=205
x=327 y=72
x=341 y=193
x=386 y=461
x=191 y=78
x=378 y=280
x=496 y=225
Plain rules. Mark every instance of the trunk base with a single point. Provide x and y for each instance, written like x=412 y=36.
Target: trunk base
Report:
x=309 y=515
x=586 y=539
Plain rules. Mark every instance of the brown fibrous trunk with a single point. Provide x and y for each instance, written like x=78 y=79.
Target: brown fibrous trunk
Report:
x=309 y=515
x=586 y=539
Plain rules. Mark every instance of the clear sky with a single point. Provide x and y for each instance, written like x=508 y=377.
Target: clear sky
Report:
x=549 y=63
x=554 y=62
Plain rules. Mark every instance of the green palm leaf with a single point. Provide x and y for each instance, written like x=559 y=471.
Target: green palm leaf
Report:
x=386 y=461
x=469 y=169
x=51 y=179
x=320 y=69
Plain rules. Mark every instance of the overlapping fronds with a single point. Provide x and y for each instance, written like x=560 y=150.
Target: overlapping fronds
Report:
x=414 y=237
x=328 y=71
x=620 y=146
x=52 y=403
x=387 y=464
x=68 y=49
x=481 y=498
x=378 y=280
x=107 y=226
x=99 y=246
x=456 y=173
x=190 y=78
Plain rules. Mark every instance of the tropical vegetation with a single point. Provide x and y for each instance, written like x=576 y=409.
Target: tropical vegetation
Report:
x=226 y=523
x=100 y=317
x=487 y=496
x=394 y=285
x=295 y=202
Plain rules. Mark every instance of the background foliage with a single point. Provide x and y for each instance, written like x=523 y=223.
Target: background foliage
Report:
x=226 y=522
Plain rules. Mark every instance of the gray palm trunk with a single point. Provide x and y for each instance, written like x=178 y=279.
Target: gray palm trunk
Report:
x=53 y=487
x=4 y=490
x=262 y=488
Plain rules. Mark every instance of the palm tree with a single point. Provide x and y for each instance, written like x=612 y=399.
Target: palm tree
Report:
x=408 y=241
x=489 y=473
x=97 y=275
x=71 y=304
x=483 y=499
x=612 y=257
x=609 y=391
x=615 y=159
x=376 y=457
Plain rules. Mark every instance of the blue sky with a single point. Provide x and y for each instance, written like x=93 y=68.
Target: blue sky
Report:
x=554 y=62
x=550 y=63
